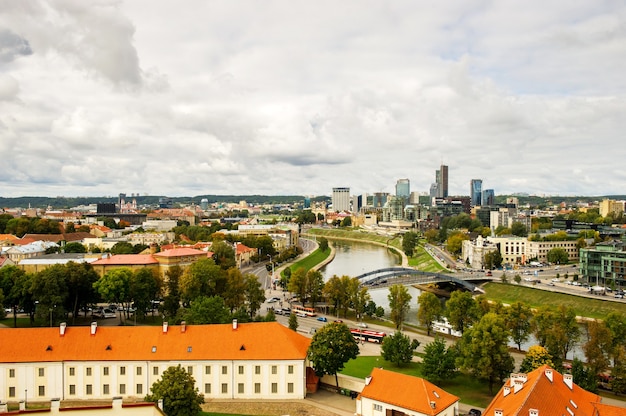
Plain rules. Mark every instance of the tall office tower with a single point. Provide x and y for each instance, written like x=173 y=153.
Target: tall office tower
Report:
x=403 y=189
x=476 y=189
x=441 y=178
x=341 y=199
x=379 y=199
x=488 y=197
x=359 y=202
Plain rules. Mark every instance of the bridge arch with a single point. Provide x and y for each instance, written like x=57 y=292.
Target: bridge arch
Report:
x=382 y=277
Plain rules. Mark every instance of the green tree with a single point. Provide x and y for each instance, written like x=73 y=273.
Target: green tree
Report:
x=461 y=310
x=297 y=284
x=171 y=300
x=519 y=229
x=483 y=350
x=399 y=300
x=492 y=260
x=74 y=247
x=557 y=330
x=177 y=390
x=10 y=278
x=409 y=241
x=331 y=348
x=439 y=361
x=322 y=243
x=114 y=286
x=535 y=357
x=346 y=222
x=223 y=255
x=122 y=247
x=598 y=346
x=234 y=292
x=144 y=286
x=293 y=322
x=202 y=278
x=517 y=319
x=207 y=310
x=254 y=294
x=49 y=289
x=454 y=243
x=361 y=299
x=80 y=278
x=430 y=309
x=398 y=348
x=583 y=377
x=314 y=286
x=557 y=255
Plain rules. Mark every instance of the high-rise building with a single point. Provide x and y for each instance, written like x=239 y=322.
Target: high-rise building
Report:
x=341 y=199
x=488 y=197
x=403 y=189
x=476 y=189
x=379 y=199
x=441 y=178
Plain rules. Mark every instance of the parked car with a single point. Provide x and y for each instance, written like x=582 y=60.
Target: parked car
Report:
x=322 y=319
x=362 y=324
x=104 y=313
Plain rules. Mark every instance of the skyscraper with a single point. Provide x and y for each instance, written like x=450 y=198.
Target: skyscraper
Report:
x=403 y=189
x=476 y=189
x=488 y=197
x=341 y=199
x=441 y=178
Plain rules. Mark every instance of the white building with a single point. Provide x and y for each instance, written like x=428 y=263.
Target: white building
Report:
x=341 y=199
x=262 y=360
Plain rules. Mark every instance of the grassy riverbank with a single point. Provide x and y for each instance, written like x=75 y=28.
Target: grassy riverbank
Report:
x=310 y=261
x=583 y=306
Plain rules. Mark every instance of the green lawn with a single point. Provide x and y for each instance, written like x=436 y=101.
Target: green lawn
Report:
x=309 y=261
x=471 y=391
x=588 y=307
x=425 y=262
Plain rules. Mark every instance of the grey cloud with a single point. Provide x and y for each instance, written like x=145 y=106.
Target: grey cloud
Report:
x=12 y=46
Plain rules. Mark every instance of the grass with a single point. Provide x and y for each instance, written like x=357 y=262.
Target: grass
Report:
x=310 y=261
x=471 y=390
x=583 y=306
x=425 y=262
x=352 y=234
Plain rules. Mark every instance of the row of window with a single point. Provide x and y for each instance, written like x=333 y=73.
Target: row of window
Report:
x=155 y=370
x=139 y=389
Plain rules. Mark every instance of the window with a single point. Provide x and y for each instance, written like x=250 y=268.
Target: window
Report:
x=378 y=407
x=88 y=371
x=240 y=388
x=138 y=371
x=72 y=371
x=139 y=389
x=88 y=389
x=122 y=371
x=289 y=387
x=41 y=372
x=274 y=387
x=11 y=372
x=122 y=388
x=274 y=369
x=224 y=369
x=207 y=369
x=72 y=389
x=224 y=388
x=105 y=389
x=42 y=391
x=241 y=369
x=155 y=371
x=105 y=371
x=257 y=369
x=290 y=369
x=207 y=388
x=257 y=388
x=190 y=370
x=11 y=391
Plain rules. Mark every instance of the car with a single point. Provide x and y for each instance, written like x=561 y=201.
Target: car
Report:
x=272 y=300
x=362 y=325
x=104 y=313
x=618 y=296
x=555 y=280
x=301 y=315
x=322 y=319
x=339 y=321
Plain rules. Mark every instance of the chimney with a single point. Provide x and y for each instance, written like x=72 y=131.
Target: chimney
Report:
x=4 y=407
x=498 y=412
x=183 y=326
x=117 y=402
x=22 y=405
x=234 y=324
x=506 y=391
x=517 y=385
x=55 y=405
x=549 y=374
x=533 y=412
x=567 y=379
x=62 y=328
x=433 y=405
x=165 y=327
x=368 y=380
x=94 y=326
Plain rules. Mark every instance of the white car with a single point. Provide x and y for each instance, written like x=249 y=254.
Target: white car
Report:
x=362 y=325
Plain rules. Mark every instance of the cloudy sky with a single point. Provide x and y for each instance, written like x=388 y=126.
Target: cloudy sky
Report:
x=295 y=97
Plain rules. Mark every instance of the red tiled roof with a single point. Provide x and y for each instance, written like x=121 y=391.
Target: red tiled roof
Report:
x=408 y=392
x=126 y=259
x=534 y=394
x=179 y=252
x=7 y=237
x=242 y=248
x=250 y=341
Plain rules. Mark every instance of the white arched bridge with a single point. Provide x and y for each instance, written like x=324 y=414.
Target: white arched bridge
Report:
x=405 y=275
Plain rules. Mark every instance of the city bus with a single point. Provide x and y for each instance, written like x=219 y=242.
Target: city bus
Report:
x=302 y=310
x=367 y=335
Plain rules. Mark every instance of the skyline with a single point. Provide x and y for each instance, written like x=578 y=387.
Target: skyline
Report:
x=98 y=98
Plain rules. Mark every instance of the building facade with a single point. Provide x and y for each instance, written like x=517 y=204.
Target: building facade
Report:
x=341 y=199
x=476 y=190
x=604 y=264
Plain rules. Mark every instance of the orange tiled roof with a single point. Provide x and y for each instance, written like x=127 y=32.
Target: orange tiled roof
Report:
x=542 y=383
x=408 y=392
x=126 y=259
x=179 y=252
x=250 y=341
x=242 y=248
x=7 y=237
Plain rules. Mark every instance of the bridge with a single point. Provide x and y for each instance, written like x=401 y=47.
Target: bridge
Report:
x=404 y=275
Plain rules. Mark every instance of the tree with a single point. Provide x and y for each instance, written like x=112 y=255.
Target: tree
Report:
x=483 y=350
x=80 y=278
x=439 y=361
x=254 y=293
x=114 y=286
x=398 y=348
x=360 y=301
x=49 y=289
x=430 y=309
x=331 y=348
x=399 y=299
x=583 y=377
x=122 y=247
x=598 y=347
x=297 y=284
x=322 y=243
x=293 y=322
x=314 y=286
x=335 y=292
x=558 y=256
x=74 y=247
x=177 y=390
x=409 y=241
x=207 y=310
x=234 y=292
x=519 y=229
x=535 y=358
x=517 y=319
x=202 y=278
x=454 y=243
x=171 y=301
x=461 y=310
x=223 y=254
x=557 y=330
x=10 y=278
x=144 y=286
x=346 y=222
x=492 y=260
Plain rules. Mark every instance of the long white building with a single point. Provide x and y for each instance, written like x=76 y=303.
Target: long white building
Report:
x=247 y=361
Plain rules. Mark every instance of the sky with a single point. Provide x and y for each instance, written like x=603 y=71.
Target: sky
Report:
x=290 y=97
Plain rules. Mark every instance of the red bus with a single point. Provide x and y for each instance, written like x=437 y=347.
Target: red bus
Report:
x=367 y=335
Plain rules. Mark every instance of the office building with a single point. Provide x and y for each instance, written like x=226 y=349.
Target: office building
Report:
x=341 y=199
x=488 y=197
x=476 y=189
x=379 y=199
x=441 y=178
x=403 y=189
